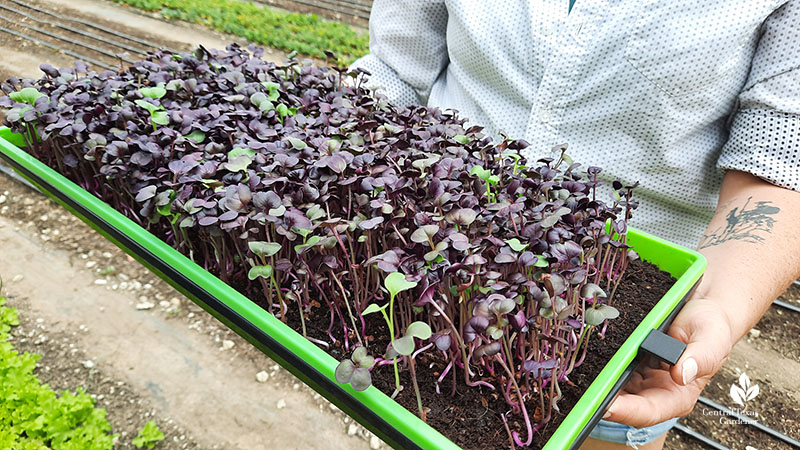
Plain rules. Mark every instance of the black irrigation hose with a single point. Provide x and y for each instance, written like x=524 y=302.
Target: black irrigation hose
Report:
x=787 y=305
x=76 y=30
x=73 y=41
x=59 y=49
x=363 y=3
x=96 y=27
x=351 y=6
x=331 y=8
x=700 y=437
x=750 y=421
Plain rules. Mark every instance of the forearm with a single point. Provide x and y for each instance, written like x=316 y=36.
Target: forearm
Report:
x=753 y=248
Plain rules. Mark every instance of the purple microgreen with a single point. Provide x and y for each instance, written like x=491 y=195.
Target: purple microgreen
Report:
x=461 y=216
x=305 y=192
x=356 y=370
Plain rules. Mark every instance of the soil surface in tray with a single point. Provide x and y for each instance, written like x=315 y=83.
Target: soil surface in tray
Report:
x=471 y=418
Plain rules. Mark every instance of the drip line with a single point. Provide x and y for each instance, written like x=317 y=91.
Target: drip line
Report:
x=76 y=31
x=96 y=27
x=73 y=41
x=359 y=14
x=700 y=437
x=58 y=49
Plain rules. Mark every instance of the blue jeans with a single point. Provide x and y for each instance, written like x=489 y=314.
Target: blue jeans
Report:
x=633 y=437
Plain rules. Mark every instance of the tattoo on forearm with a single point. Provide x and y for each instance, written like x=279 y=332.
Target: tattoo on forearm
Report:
x=748 y=224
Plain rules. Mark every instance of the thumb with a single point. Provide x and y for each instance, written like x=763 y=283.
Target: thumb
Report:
x=708 y=346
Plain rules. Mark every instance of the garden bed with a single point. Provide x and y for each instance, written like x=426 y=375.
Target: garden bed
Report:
x=336 y=201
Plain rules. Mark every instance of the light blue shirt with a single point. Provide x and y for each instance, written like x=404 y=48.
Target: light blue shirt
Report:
x=668 y=93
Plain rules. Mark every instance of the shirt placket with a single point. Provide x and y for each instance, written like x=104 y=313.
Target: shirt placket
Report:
x=570 y=38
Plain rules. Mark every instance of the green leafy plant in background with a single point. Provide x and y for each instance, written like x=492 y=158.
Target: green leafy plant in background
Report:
x=307 y=34
x=32 y=416
x=149 y=436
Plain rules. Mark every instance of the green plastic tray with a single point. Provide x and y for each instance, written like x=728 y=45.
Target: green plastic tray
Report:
x=372 y=408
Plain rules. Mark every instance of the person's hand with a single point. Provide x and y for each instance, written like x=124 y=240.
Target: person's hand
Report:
x=656 y=394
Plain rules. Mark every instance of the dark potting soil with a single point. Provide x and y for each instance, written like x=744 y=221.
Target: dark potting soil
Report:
x=471 y=417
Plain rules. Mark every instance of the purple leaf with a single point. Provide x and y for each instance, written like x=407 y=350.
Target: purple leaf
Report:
x=146 y=193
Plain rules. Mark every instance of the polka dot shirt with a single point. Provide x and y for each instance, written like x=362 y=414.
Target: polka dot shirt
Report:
x=670 y=93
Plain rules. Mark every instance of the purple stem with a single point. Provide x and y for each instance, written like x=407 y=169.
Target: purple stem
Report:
x=444 y=373
x=422 y=349
x=507 y=394
x=602 y=333
x=382 y=362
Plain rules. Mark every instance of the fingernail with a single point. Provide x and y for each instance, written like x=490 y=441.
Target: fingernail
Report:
x=689 y=371
x=608 y=411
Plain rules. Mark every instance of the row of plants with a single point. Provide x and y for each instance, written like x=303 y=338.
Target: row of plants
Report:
x=308 y=192
x=307 y=34
x=32 y=416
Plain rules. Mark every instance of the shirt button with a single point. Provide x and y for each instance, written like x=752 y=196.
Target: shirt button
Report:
x=548 y=28
x=545 y=115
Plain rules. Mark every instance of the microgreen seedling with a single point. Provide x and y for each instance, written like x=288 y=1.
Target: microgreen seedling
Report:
x=405 y=346
x=27 y=95
x=395 y=283
x=264 y=271
x=153 y=92
x=356 y=369
x=158 y=116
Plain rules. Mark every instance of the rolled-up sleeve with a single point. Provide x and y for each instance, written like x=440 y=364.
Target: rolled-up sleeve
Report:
x=765 y=133
x=408 y=48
